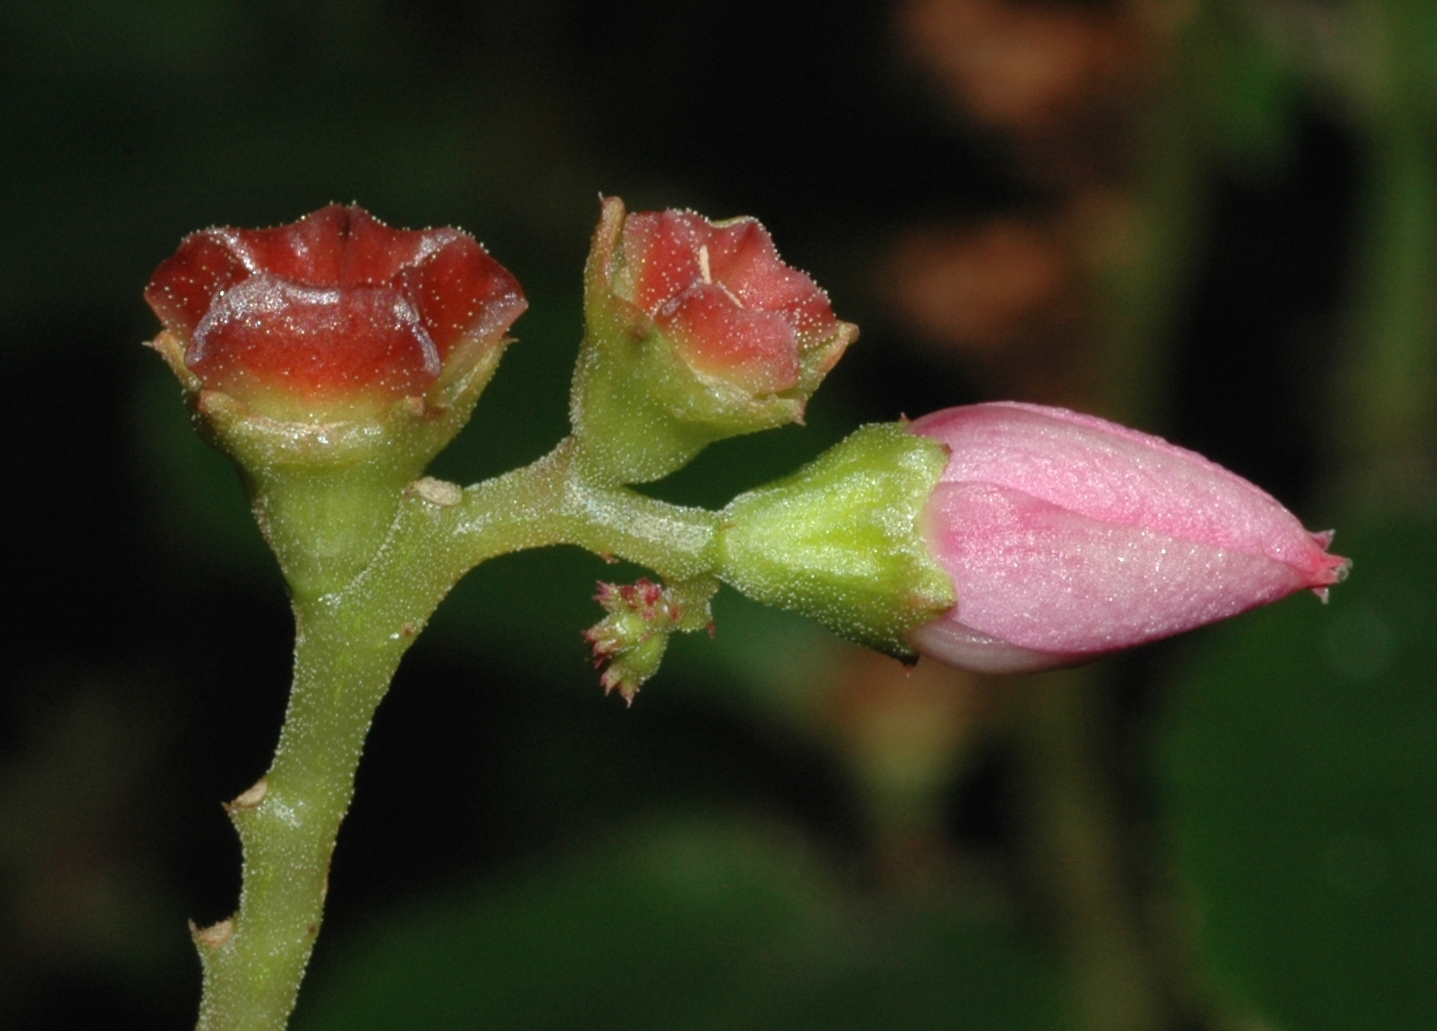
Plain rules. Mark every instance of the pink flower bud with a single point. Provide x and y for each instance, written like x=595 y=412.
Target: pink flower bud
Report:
x=335 y=316
x=1068 y=536
x=735 y=311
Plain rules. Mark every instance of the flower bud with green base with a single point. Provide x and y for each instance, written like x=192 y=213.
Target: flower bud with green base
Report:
x=695 y=331
x=841 y=540
x=331 y=358
x=1009 y=538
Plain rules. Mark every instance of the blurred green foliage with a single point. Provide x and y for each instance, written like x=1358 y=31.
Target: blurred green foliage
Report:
x=1301 y=786
x=699 y=922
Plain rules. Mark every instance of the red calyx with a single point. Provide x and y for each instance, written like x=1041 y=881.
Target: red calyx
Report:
x=333 y=316
x=726 y=298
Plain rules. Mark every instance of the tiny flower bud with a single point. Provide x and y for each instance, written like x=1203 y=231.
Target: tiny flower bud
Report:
x=696 y=331
x=632 y=638
x=1067 y=536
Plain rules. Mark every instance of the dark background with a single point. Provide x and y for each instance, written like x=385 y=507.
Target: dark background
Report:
x=1217 y=223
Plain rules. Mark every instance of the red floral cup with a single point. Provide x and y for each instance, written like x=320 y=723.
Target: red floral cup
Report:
x=335 y=317
x=733 y=310
x=331 y=359
x=697 y=331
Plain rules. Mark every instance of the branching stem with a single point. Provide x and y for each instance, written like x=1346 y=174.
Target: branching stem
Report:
x=347 y=648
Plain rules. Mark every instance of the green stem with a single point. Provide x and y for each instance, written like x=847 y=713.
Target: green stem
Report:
x=348 y=646
x=287 y=824
x=1387 y=417
x=1075 y=851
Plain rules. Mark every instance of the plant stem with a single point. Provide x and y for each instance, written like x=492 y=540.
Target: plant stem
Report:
x=1075 y=849
x=1386 y=424
x=288 y=822
x=348 y=646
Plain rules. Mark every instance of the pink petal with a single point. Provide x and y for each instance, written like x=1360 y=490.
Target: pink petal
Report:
x=1120 y=476
x=952 y=643
x=1068 y=536
x=1047 y=579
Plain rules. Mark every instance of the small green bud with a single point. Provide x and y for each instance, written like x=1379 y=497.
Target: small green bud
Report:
x=840 y=542
x=632 y=638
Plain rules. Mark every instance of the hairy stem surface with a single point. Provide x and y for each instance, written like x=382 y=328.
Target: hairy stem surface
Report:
x=348 y=646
